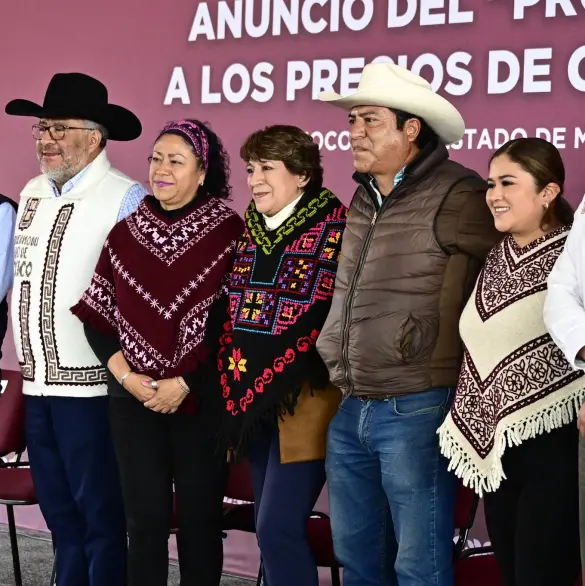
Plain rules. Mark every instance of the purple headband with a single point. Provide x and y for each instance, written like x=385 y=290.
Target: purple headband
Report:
x=195 y=135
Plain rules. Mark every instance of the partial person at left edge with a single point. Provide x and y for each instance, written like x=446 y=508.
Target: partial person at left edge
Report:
x=8 y=209
x=63 y=219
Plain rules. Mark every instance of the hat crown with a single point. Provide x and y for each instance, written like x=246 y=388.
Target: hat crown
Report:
x=65 y=88
x=389 y=75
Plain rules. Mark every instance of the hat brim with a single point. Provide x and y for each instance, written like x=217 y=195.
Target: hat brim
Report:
x=121 y=124
x=437 y=112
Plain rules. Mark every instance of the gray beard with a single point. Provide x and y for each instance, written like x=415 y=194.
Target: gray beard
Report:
x=61 y=175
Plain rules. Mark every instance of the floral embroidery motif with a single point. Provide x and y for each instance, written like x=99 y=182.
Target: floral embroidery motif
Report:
x=532 y=372
x=303 y=345
x=511 y=273
x=237 y=363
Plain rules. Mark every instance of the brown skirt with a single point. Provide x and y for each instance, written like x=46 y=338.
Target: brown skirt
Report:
x=303 y=436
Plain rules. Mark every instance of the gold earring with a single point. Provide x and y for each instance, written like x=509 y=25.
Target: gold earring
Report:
x=546 y=205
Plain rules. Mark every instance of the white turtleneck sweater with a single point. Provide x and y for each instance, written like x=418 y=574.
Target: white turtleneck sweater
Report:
x=274 y=222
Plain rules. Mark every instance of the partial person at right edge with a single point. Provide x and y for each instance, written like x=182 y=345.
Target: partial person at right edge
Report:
x=564 y=315
x=510 y=434
x=418 y=232
x=7 y=223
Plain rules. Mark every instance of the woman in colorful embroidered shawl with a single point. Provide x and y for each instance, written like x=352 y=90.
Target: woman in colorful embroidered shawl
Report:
x=277 y=400
x=511 y=431
x=153 y=314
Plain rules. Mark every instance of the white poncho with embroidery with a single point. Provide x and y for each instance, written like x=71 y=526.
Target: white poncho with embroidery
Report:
x=515 y=383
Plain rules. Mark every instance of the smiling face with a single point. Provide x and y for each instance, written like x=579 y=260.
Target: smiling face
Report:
x=273 y=186
x=62 y=159
x=516 y=204
x=175 y=174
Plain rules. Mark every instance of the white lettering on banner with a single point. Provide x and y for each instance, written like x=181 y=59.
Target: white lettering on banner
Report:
x=257 y=31
x=237 y=83
x=556 y=136
x=177 y=88
x=257 y=17
x=431 y=13
x=487 y=138
x=579 y=137
x=207 y=96
x=332 y=140
x=452 y=66
x=202 y=23
x=226 y=19
x=313 y=26
x=326 y=75
x=358 y=24
x=528 y=70
x=575 y=78
x=351 y=72
x=566 y=6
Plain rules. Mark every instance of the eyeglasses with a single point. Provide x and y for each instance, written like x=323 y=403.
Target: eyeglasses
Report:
x=56 y=131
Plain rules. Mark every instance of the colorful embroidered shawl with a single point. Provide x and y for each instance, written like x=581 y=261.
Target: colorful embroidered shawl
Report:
x=280 y=294
x=155 y=281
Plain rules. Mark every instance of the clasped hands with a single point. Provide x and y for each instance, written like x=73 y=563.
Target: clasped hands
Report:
x=166 y=399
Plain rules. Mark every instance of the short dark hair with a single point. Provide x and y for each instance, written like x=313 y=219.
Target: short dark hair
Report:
x=543 y=161
x=217 y=176
x=289 y=144
x=426 y=135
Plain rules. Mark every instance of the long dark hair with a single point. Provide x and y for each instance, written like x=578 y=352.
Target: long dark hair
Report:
x=543 y=161
x=217 y=176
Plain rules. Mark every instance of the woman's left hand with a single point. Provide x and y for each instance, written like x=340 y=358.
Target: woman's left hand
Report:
x=168 y=397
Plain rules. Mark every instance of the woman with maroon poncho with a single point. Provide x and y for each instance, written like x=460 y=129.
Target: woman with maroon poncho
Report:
x=153 y=314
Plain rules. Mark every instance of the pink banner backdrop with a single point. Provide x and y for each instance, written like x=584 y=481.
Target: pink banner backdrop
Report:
x=513 y=68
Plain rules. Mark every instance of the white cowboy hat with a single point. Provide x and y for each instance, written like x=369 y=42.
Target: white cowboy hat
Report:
x=391 y=86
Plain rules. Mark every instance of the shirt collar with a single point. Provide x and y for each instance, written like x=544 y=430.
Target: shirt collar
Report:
x=273 y=222
x=70 y=184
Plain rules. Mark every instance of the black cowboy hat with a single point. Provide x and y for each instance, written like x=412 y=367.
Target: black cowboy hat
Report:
x=76 y=95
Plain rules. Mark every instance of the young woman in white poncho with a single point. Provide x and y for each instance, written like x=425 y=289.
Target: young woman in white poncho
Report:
x=511 y=432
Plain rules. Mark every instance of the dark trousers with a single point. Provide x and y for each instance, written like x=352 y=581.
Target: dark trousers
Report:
x=533 y=518
x=76 y=481
x=284 y=496
x=153 y=450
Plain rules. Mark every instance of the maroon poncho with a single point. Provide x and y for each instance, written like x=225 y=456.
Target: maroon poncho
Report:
x=155 y=281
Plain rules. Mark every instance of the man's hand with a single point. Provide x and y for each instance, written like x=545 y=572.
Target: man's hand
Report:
x=167 y=398
x=134 y=385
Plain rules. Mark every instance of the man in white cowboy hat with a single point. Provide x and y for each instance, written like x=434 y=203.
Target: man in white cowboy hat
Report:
x=63 y=219
x=417 y=234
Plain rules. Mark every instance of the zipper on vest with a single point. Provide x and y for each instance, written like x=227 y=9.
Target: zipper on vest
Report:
x=346 y=315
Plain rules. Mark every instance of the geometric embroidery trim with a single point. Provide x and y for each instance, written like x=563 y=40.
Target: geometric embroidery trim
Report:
x=55 y=373
x=533 y=371
x=304 y=274
x=263 y=239
x=27 y=366
x=511 y=273
x=170 y=242
x=181 y=296
x=29 y=213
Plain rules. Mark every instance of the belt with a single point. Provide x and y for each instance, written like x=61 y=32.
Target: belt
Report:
x=374 y=397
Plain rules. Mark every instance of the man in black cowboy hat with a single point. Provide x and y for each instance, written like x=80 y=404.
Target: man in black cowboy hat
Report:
x=64 y=217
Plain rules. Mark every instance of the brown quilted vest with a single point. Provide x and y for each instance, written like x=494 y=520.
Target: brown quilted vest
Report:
x=401 y=286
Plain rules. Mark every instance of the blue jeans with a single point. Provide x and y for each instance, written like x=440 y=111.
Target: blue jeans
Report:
x=390 y=494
